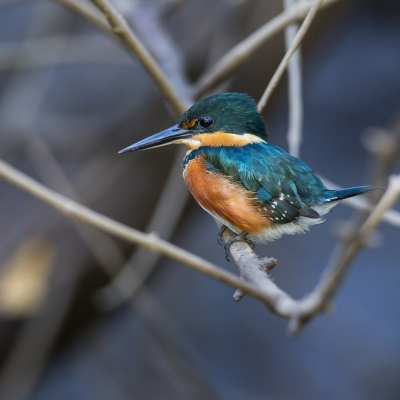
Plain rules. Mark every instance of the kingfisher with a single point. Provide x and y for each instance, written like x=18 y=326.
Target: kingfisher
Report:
x=254 y=188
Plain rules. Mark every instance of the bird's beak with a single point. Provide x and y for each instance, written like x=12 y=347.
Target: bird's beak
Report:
x=163 y=138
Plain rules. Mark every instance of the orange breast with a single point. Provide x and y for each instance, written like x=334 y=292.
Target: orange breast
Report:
x=219 y=196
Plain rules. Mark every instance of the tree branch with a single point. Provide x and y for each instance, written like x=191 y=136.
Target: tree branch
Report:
x=295 y=44
x=294 y=134
x=126 y=35
x=243 y=51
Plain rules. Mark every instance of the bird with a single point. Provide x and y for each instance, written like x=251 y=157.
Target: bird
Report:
x=251 y=186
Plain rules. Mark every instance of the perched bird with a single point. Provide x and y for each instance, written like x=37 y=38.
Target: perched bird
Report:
x=253 y=187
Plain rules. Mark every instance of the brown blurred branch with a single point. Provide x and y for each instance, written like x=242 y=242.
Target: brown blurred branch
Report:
x=295 y=44
x=243 y=51
x=174 y=195
x=126 y=35
x=130 y=279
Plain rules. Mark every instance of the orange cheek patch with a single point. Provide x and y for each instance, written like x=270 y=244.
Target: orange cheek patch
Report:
x=217 y=194
x=221 y=138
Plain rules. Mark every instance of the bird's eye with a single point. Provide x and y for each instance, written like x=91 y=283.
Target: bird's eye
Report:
x=205 y=122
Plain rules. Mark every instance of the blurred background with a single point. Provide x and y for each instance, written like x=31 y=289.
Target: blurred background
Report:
x=71 y=96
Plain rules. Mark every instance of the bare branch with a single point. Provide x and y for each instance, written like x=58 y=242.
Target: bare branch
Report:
x=294 y=88
x=126 y=35
x=243 y=51
x=145 y=17
x=295 y=44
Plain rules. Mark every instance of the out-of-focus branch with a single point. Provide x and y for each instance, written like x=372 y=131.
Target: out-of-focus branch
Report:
x=384 y=147
x=243 y=51
x=295 y=44
x=126 y=35
x=161 y=44
x=151 y=17
x=104 y=249
x=174 y=195
x=141 y=264
x=294 y=88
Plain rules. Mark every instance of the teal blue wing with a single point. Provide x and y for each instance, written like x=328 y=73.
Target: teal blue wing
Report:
x=270 y=175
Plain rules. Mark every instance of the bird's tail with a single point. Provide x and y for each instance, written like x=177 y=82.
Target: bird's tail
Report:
x=335 y=195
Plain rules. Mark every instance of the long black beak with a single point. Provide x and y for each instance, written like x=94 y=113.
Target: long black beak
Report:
x=163 y=138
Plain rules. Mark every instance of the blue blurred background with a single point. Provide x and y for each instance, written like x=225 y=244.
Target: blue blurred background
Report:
x=71 y=97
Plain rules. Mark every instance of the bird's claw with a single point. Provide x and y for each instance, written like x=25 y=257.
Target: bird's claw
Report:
x=220 y=233
x=238 y=238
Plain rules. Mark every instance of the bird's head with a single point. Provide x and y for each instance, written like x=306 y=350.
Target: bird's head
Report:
x=227 y=119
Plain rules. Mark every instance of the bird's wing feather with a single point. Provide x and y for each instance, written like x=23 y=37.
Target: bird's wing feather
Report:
x=267 y=176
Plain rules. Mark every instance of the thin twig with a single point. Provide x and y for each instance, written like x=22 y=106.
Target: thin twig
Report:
x=294 y=134
x=124 y=32
x=295 y=44
x=151 y=17
x=174 y=194
x=128 y=280
x=243 y=51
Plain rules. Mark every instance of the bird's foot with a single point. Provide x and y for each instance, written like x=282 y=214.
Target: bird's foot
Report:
x=220 y=233
x=242 y=237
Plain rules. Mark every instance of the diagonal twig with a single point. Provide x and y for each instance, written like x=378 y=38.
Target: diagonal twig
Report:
x=295 y=44
x=243 y=51
x=126 y=35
